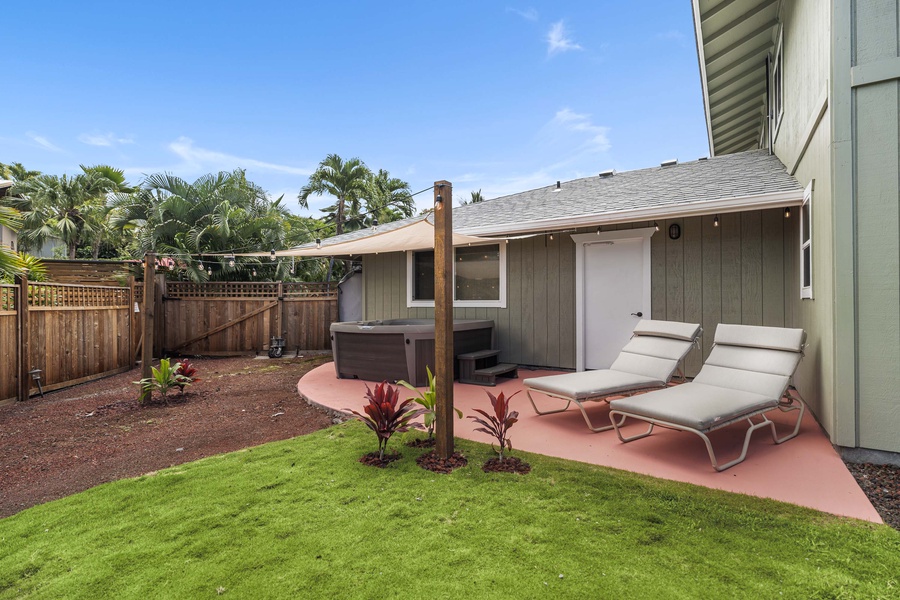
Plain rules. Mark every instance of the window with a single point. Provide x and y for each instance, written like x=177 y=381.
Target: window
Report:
x=479 y=276
x=806 y=244
x=778 y=86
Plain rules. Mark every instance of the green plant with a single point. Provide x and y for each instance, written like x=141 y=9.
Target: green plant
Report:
x=384 y=416
x=427 y=400
x=499 y=423
x=187 y=370
x=163 y=380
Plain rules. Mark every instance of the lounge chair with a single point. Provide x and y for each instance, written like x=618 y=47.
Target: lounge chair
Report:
x=646 y=362
x=746 y=375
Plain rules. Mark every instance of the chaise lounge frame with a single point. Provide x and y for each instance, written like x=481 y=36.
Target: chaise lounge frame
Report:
x=788 y=401
x=684 y=332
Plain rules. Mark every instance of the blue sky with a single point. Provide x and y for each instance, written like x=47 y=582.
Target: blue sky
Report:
x=502 y=97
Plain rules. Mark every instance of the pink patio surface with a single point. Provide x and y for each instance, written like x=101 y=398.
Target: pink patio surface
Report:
x=805 y=470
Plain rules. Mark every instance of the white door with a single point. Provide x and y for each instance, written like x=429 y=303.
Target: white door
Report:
x=614 y=293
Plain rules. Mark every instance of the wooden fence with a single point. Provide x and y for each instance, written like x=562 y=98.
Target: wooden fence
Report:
x=228 y=317
x=75 y=333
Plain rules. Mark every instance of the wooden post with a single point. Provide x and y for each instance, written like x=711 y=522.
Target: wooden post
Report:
x=148 y=316
x=443 y=318
x=23 y=354
x=130 y=337
x=159 y=293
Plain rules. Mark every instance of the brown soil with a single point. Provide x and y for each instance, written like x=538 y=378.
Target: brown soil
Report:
x=421 y=443
x=373 y=460
x=434 y=463
x=83 y=436
x=510 y=464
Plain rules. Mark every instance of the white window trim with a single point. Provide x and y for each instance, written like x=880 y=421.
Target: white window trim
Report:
x=806 y=292
x=500 y=303
x=778 y=69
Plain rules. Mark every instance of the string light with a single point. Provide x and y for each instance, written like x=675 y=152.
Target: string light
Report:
x=656 y=225
x=318 y=244
x=716 y=221
x=254 y=272
x=599 y=229
x=231 y=260
x=787 y=212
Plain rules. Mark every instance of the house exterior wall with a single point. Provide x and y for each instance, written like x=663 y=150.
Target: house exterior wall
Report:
x=740 y=272
x=8 y=238
x=867 y=257
x=803 y=143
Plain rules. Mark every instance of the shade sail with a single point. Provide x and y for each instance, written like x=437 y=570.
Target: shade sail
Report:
x=418 y=235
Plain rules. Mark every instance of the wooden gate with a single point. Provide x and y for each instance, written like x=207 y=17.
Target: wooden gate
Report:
x=223 y=318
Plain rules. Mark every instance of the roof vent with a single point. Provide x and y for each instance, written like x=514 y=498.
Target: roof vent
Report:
x=557 y=188
x=669 y=163
x=609 y=173
x=703 y=158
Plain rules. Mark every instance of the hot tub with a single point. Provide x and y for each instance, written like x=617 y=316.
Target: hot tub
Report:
x=400 y=348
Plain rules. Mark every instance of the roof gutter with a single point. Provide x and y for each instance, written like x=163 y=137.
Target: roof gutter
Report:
x=701 y=58
x=687 y=209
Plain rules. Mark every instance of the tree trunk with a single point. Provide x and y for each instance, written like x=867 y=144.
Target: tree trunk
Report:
x=72 y=248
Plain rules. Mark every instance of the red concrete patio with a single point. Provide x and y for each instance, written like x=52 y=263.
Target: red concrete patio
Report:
x=805 y=470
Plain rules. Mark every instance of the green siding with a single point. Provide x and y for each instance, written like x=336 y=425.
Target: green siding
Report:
x=876 y=148
x=701 y=277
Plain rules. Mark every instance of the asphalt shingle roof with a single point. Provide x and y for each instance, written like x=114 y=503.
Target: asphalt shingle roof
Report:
x=740 y=175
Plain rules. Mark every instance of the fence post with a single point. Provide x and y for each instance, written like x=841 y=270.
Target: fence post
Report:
x=148 y=316
x=279 y=313
x=131 y=301
x=443 y=318
x=160 y=314
x=23 y=352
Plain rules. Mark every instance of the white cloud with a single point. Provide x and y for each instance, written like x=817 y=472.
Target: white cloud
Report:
x=43 y=142
x=201 y=159
x=558 y=40
x=101 y=139
x=529 y=14
x=570 y=121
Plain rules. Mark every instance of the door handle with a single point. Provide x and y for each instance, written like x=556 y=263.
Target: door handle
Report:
x=637 y=314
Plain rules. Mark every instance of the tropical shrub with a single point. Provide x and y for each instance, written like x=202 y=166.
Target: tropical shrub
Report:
x=384 y=416
x=187 y=370
x=427 y=400
x=163 y=380
x=498 y=424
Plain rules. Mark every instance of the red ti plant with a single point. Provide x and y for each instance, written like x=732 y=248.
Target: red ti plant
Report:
x=499 y=423
x=186 y=374
x=384 y=416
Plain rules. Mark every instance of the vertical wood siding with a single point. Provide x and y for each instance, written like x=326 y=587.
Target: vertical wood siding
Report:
x=735 y=273
x=876 y=146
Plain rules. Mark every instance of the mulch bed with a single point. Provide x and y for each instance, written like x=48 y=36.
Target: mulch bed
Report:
x=421 y=443
x=80 y=437
x=436 y=464
x=881 y=483
x=510 y=464
x=373 y=460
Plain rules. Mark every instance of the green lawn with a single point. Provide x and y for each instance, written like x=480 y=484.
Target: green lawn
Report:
x=302 y=518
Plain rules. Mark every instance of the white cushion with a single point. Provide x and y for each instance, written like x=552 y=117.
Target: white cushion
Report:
x=591 y=384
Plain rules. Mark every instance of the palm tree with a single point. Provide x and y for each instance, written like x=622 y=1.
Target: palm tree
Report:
x=16 y=172
x=345 y=180
x=388 y=198
x=70 y=209
x=476 y=197
x=214 y=215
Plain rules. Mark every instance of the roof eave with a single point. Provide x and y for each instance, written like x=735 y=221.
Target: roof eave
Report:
x=701 y=58
x=692 y=209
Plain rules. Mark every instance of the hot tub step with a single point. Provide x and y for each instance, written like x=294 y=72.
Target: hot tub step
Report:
x=489 y=375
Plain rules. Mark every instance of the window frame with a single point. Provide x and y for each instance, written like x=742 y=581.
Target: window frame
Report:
x=806 y=291
x=410 y=283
